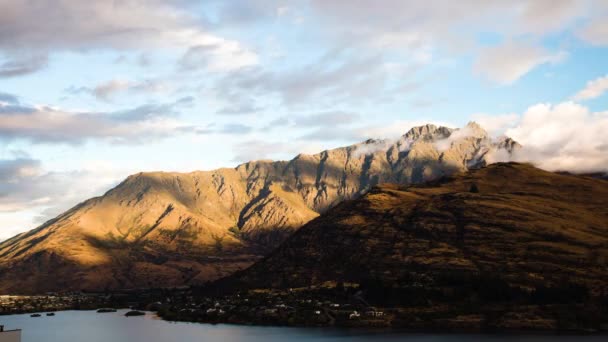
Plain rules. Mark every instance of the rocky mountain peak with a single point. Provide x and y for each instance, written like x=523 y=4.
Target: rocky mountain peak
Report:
x=187 y=228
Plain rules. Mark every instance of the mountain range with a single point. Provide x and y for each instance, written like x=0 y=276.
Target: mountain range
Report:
x=509 y=221
x=159 y=229
x=504 y=247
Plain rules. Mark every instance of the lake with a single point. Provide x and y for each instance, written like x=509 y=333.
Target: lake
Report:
x=89 y=326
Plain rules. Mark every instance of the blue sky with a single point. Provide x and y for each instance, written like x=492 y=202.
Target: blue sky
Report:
x=99 y=90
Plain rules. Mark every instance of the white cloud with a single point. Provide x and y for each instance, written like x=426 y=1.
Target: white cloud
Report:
x=566 y=136
x=218 y=55
x=506 y=63
x=373 y=146
x=593 y=89
x=470 y=130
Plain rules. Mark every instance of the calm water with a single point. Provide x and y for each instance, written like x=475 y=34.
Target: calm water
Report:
x=89 y=326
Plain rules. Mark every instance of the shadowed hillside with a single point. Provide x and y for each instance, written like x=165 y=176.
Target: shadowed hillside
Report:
x=499 y=232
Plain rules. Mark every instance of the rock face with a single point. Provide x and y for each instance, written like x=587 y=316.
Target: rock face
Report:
x=517 y=229
x=169 y=229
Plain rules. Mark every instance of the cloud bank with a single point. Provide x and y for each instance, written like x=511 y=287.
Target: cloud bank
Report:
x=563 y=137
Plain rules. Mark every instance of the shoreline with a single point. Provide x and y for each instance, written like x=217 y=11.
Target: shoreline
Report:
x=435 y=330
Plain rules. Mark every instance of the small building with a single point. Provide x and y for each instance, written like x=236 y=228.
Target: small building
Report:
x=10 y=335
x=374 y=313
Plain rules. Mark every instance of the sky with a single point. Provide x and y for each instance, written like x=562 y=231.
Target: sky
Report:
x=92 y=91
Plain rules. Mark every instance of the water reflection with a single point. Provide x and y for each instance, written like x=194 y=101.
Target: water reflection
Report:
x=89 y=326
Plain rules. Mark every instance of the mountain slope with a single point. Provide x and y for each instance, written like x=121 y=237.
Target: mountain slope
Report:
x=506 y=227
x=170 y=229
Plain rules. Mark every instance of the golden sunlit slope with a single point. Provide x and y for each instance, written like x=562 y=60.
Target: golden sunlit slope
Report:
x=170 y=229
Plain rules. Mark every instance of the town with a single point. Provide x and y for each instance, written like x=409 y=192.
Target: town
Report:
x=314 y=306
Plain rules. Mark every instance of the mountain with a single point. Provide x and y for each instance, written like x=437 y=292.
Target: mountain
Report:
x=169 y=229
x=501 y=232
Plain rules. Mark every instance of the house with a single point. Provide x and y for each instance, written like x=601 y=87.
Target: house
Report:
x=10 y=335
x=374 y=313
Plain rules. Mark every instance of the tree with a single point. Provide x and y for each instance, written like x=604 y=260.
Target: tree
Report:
x=474 y=189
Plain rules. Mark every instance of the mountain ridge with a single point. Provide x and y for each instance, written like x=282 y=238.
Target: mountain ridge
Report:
x=171 y=229
x=561 y=216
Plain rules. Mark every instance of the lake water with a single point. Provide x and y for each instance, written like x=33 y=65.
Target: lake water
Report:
x=89 y=326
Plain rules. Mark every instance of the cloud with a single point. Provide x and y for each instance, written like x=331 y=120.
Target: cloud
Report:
x=217 y=57
x=43 y=124
x=506 y=63
x=235 y=129
x=16 y=189
x=596 y=31
x=239 y=105
x=472 y=129
x=593 y=89
x=21 y=65
x=107 y=90
x=373 y=146
x=27 y=189
x=9 y=98
x=339 y=76
x=130 y=25
x=416 y=26
x=547 y=16
x=328 y=119
x=566 y=136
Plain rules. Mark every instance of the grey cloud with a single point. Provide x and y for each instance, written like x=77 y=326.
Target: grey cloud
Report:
x=412 y=23
x=9 y=98
x=235 y=128
x=217 y=55
x=196 y=57
x=107 y=90
x=240 y=106
x=341 y=76
x=134 y=125
x=279 y=122
x=38 y=28
x=22 y=65
x=331 y=119
x=16 y=109
x=596 y=31
x=240 y=13
x=75 y=24
x=152 y=110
